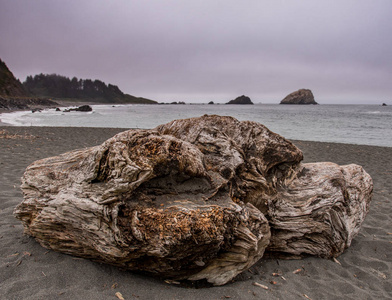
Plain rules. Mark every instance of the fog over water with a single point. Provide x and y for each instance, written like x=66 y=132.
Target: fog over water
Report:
x=199 y=51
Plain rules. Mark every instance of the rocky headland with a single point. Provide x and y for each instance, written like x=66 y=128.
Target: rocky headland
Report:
x=13 y=96
x=9 y=85
x=37 y=92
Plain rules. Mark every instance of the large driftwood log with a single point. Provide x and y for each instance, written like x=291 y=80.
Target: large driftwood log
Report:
x=319 y=210
x=193 y=199
x=313 y=209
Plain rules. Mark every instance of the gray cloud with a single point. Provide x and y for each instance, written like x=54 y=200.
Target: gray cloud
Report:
x=198 y=50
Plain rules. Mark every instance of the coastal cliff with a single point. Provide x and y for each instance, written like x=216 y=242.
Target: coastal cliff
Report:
x=9 y=85
x=13 y=96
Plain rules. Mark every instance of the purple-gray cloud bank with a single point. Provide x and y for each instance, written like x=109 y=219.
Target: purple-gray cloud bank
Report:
x=197 y=51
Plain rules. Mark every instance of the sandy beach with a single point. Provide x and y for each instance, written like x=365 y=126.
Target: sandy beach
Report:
x=29 y=271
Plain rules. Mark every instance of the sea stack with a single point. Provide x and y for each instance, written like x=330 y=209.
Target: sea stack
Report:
x=240 y=100
x=302 y=96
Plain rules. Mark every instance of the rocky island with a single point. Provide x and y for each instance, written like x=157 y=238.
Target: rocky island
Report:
x=240 y=100
x=302 y=96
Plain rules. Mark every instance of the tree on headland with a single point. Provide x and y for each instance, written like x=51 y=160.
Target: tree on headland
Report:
x=61 y=87
x=38 y=90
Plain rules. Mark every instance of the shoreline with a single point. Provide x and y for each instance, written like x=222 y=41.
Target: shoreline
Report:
x=120 y=129
x=301 y=124
x=29 y=271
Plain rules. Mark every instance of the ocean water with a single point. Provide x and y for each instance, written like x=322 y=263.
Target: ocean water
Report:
x=352 y=124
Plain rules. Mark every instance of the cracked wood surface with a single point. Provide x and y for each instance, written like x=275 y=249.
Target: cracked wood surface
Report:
x=199 y=198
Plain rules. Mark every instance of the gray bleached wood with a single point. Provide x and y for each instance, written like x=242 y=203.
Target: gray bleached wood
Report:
x=192 y=199
x=319 y=210
x=143 y=201
x=312 y=209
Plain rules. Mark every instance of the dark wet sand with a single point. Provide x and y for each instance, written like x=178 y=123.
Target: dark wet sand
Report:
x=28 y=271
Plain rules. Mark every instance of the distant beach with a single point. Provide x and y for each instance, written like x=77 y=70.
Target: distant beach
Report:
x=29 y=271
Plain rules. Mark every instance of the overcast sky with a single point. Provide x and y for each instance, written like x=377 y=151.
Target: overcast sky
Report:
x=198 y=51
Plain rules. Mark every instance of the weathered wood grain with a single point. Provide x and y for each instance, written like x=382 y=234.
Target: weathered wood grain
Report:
x=199 y=198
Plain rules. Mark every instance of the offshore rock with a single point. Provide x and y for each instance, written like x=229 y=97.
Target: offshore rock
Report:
x=240 y=100
x=194 y=199
x=302 y=96
x=83 y=108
